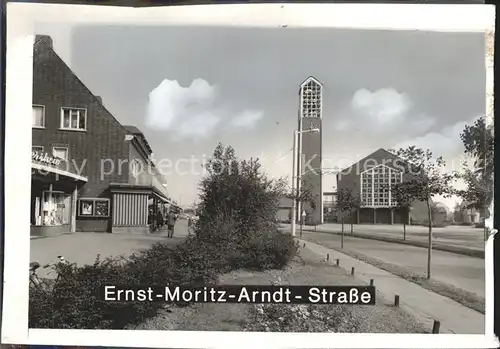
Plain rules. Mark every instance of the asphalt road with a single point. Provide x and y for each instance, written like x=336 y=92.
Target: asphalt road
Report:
x=464 y=272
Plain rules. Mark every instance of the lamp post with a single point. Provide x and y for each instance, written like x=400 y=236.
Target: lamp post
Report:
x=302 y=221
x=295 y=175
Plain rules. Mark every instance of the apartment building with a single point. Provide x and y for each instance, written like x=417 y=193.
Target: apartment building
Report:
x=85 y=163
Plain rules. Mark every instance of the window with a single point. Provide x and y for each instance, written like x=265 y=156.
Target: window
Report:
x=93 y=207
x=37 y=149
x=54 y=208
x=311 y=100
x=38 y=116
x=376 y=186
x=60 y=153
x=73 y=119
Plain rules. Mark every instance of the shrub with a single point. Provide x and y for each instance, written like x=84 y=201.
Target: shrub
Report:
x=479 y=224
x=266 y=250
x=238 y=195
x=73 y=301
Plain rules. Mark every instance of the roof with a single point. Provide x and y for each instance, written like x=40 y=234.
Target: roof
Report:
x=133 y=130
x=309 y=79
x=285 y=201
x=380 y=150
x=136 y=132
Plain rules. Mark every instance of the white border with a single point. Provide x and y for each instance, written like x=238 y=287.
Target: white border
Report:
x=20 y=24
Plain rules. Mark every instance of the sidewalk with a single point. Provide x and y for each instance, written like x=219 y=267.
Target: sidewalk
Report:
x=450 y=245
x=424 y=305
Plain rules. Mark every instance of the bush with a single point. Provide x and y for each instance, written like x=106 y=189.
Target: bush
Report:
x=73 y=300
x=479 y=224
x=240 y=196
x=467 y=224
x=266 y=250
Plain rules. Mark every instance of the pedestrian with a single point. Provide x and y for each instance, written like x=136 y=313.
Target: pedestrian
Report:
x=151 y=221
x=171 y=224
x=190 y=224
x=159 y=219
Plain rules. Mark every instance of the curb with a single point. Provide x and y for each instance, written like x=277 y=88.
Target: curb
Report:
x=435 y=245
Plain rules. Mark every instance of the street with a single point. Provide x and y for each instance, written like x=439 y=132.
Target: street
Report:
x=464 y=272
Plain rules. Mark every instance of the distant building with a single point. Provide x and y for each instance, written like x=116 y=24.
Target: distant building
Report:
x=86 y=166
x=371 y=178
x=466 y=213
x=420 y=216
x=330 y=212
x=284 y=214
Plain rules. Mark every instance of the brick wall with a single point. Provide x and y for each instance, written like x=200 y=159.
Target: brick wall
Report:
x=56 y=86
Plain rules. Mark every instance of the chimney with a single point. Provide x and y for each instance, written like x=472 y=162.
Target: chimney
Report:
x=45 y=38
x=99 y=98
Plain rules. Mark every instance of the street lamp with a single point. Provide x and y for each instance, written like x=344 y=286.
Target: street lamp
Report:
x=294 y=173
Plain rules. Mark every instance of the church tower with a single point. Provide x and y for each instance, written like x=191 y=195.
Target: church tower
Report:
x=310 y=148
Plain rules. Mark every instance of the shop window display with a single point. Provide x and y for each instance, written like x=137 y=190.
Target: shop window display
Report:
x=55 y=208
x=93 y=207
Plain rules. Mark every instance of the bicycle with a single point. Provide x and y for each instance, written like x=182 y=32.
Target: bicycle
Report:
x=34 y=266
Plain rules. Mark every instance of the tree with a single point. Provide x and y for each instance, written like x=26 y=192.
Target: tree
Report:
x=238 y=190
x=479 y=142
x=426 y=179
x=347 y=202
x=401 y=194
x=303 y=195
x=478 y=193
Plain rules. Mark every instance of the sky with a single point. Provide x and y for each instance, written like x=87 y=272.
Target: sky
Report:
x=188 y=88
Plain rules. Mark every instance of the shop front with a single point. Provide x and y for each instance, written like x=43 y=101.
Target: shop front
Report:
x=134 y=207
x=53 y=196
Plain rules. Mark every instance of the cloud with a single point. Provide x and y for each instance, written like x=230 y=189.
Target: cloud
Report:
x=383 y=111
x=444 y=143
x=189 y=111
x=194 y=111
x=383 y=106
x=247 y=119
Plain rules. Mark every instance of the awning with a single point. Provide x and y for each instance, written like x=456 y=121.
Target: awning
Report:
x=132 y=188
x=49 y=169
